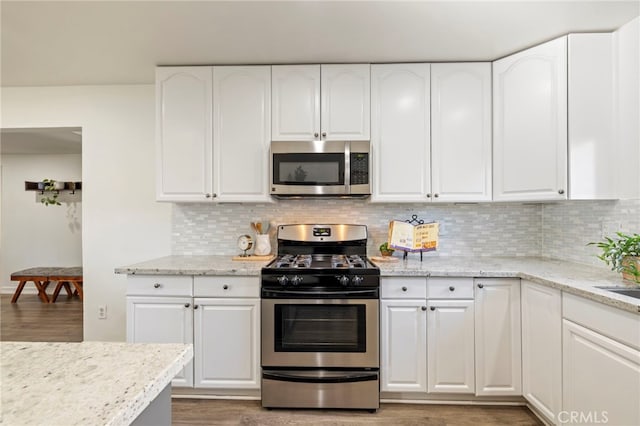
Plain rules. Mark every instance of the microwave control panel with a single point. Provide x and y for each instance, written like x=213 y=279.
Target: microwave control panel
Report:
x=359 y=168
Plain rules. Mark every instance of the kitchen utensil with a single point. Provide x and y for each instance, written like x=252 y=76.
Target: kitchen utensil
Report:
x=245 y=242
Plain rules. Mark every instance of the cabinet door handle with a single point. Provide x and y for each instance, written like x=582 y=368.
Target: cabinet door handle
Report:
x=428 y=195
x=225 y=287
x=324 y=134
x=207 y=195
x=404 y=289
x=156 y=285
x=186 y=305
x=480 y=285
x=195 y=306
x=436 y=195
x=560 y=191
x=424 y=308
x=452 y=288
x=433 y=308
x=215 y=195
x=315 y=135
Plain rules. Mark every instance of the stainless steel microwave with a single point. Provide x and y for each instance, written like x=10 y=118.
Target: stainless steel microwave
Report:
x=320 y=168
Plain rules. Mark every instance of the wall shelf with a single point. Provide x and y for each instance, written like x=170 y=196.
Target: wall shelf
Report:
x=71 y=187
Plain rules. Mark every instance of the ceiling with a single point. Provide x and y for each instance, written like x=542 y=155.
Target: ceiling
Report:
x=120 y=42
x=58 y=140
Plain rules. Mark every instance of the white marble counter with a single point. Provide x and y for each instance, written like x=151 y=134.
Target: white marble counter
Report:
x=194 y=265
x=575 y=278
x=88 y=383
x=571 y=277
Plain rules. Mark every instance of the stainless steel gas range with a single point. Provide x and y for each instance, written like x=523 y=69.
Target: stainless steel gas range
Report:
x=320 y=320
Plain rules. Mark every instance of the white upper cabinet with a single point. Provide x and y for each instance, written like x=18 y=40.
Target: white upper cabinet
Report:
x=183 y=133
x=296 y=102
x=530 y=124
x=242 y=132
x=461 y=132
x=328 y=102
x=400 y=132
x=591 y=137
x=346 y=103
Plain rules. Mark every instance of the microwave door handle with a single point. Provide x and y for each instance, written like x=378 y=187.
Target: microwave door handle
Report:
x=347 y=167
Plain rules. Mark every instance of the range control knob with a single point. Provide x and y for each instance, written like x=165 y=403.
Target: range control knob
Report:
x=357 y=280
x=283 y=280
x=296 y=279
x=343 y=280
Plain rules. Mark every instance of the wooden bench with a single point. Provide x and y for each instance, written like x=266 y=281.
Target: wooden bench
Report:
x=42 y=276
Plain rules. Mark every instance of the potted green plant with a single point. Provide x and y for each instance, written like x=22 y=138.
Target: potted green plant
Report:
x=622 y=254
x=50 y=190
x=385 y=250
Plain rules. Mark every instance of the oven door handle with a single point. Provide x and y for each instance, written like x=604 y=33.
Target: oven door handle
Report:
x=347 y=377
x=346 y=293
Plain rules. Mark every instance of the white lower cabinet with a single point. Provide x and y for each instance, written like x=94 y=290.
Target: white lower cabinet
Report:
x=600 y=364
x=497 y=326
x=542 y=348
x=403 y=363
x=450 y=346
x=159 y=310
x=227 y=342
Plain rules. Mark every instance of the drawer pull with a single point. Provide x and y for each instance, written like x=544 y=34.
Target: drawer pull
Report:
x=156 y=285
x=404 y=289
x=186 y=305
x=225 y=287
x=433 y=308
x=195 y=306
x=452 y=288
x=480 y=285
x=424 y=308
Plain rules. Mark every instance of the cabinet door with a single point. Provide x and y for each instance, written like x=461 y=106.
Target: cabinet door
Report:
x=162 y=320
x=600 y=378
x=461 y=132
x=497 y=325
x=530 y=124
x=450 y=346
x=590 y=84
x=400 y=133
x=345 y=104
x=403 y=364
x=227 y=343
x=183 y=133
x=295 y=103
x=542 y=348
x=241 y=132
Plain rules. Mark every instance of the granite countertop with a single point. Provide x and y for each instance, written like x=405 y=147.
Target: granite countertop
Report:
x=194 y=265
x=567 y=276
x=88 y=383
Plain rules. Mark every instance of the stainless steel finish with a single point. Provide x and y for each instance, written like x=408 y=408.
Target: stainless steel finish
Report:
x=631 y=292
x=480 y=285
x=304 y=232
x=361 y=393
x=368 y=359
x=560 y=191
x=321 y=147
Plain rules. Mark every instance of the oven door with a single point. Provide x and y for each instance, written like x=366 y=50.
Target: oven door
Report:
x=320 y=333
x=309 y=168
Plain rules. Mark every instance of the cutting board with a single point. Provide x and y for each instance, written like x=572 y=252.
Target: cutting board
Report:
x=253 y=257
x=385 y=259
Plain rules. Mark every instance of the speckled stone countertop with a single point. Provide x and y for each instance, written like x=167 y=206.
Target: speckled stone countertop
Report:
x=571 y=277
x=88 y=383
x=194 y=265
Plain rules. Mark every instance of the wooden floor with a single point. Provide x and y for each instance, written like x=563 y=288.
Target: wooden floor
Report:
x=32 y=320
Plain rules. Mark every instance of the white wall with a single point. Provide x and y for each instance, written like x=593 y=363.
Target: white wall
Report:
x=122 y=222
x=31 y=233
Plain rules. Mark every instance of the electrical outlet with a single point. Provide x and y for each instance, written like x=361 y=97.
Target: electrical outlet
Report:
x=102 y=311
x=609 y=229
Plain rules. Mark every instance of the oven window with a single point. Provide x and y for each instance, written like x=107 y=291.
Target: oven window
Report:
x=308 y=169
x=320 y=328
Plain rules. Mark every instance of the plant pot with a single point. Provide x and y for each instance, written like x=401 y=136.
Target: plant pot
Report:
x=386 y=252
x=628 y=269
x=58 y=185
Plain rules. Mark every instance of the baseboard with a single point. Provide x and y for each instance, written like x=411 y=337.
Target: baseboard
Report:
x=28 y=289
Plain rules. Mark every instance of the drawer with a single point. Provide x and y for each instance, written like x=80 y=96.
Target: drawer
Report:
x=159 y=285
x=449 y=288
x=226 y=286
x=404 y=288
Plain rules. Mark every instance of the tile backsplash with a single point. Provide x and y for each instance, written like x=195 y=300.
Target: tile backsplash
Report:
x=465 y=229
x=556 y=230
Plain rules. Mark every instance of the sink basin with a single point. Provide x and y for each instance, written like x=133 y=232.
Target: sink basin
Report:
x=633 y=292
